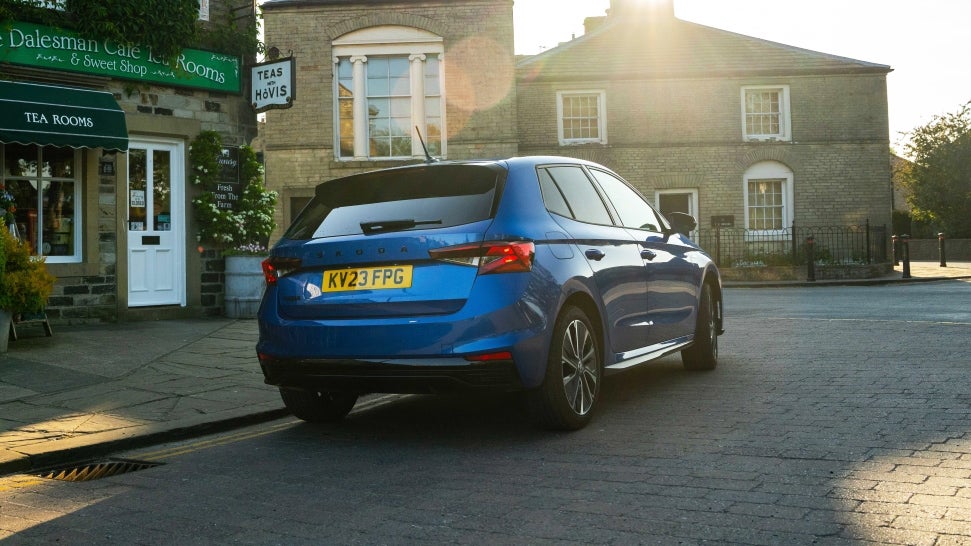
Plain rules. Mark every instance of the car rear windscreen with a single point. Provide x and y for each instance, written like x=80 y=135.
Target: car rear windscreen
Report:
x=400 y=199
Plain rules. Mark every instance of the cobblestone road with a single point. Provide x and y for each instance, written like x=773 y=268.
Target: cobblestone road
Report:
x=836 y=416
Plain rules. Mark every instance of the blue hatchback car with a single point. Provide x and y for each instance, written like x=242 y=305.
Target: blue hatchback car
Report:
x=535 y=274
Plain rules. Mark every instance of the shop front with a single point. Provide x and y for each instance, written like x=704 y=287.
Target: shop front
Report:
x=94 y=143
x=46 y=132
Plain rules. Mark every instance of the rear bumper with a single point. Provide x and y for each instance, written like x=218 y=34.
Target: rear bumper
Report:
x=418 y=376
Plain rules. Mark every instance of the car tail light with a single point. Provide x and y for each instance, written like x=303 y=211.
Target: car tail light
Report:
x=275 y=267
x=490 y=256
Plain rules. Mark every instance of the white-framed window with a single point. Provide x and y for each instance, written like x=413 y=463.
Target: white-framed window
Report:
x=389 y=86
x=767 y=189
x=765 y=113
x=581 y=117
x=45 y=183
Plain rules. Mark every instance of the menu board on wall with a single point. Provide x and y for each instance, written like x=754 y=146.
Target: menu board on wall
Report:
x=228 y=190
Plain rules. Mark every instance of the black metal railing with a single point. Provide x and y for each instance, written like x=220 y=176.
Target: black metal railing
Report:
x=835 y=245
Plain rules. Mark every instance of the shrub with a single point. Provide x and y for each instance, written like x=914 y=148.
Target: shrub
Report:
x=25 y=283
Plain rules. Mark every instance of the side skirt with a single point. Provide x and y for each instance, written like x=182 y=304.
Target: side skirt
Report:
x=633 y=358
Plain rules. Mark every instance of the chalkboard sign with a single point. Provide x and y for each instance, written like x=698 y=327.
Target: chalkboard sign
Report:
x=228 y=190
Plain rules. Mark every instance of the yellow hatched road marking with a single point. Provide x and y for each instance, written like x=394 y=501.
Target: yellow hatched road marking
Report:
x=155 y=456
x=20 y=482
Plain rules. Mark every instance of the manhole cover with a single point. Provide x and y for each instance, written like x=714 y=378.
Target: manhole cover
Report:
x=96 y=470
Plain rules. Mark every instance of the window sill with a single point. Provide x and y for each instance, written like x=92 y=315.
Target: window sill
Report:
x=587 y=143
x=72 y=269
x=374 y=163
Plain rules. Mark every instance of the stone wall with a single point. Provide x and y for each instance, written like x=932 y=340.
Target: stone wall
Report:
x=958 y=250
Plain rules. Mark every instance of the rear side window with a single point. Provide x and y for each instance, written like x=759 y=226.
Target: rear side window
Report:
x=400 y=199
x=633 y=210
x=551 y=195
x=580 y=194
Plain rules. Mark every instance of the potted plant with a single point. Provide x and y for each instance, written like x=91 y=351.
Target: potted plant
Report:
x=25 y=283
x=241 y=233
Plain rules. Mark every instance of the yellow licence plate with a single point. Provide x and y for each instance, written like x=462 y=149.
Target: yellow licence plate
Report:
x=367 y=278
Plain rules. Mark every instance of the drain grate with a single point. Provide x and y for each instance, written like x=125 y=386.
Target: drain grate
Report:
x=96 y=470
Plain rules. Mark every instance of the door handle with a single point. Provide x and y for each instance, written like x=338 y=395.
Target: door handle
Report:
x=595 y=254
x=648 y=254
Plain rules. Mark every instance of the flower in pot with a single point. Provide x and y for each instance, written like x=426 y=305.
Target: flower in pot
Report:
x=25 y=283
x=240 y=232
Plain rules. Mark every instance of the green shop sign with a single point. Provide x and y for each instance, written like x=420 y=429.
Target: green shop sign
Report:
x=58 y=49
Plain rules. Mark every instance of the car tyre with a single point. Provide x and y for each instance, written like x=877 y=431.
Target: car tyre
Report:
x=703 y=353
x=316 y=406
x=571 y=388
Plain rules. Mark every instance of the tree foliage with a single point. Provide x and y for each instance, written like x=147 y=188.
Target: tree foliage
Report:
x=939 y=177
x=164 y=26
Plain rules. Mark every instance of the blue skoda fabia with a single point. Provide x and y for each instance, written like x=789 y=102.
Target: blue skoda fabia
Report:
x=535 y=274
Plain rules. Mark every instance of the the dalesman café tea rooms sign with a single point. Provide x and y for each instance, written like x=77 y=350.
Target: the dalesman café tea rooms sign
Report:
x=58 y=49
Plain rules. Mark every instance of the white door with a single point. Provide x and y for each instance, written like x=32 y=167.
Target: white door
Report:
x=156 y=222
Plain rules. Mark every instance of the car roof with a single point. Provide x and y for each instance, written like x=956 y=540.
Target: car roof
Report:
x=515 y=161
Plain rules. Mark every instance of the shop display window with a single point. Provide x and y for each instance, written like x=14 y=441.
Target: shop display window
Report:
x=46 y=190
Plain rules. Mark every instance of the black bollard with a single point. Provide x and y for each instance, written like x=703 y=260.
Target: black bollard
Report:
x=940 y=248
x=906 y=255
x=893 y=245
x=810 y=259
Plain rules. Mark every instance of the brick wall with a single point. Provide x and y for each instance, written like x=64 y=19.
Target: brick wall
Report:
x=674 y=134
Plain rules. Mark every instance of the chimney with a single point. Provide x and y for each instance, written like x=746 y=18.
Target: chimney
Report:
x=591 y=24
x=650 y=10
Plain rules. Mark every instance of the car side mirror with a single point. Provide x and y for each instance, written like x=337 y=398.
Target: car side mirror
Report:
x=682 y=223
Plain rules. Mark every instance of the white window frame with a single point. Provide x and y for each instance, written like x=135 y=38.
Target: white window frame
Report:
x=601 y=96
x=384 y=41
x=78 y=218
x=785 y=118
x=770 y=170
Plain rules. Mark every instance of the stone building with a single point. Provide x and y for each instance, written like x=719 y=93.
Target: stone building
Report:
x=732 y=129
x=373 y=74
x=726 y=127
x=94 y=140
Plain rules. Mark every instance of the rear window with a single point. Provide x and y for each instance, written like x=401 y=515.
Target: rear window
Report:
x=400 y=199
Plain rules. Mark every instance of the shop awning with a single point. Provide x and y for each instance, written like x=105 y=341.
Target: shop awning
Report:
x=32 y=113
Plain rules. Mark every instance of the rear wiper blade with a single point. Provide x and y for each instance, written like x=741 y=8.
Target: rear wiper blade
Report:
x=370 y=228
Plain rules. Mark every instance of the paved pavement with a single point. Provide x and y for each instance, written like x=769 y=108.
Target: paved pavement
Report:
x=94 y=389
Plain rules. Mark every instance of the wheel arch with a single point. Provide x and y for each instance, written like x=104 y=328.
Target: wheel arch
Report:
x=585 y=303
x=712 y=278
